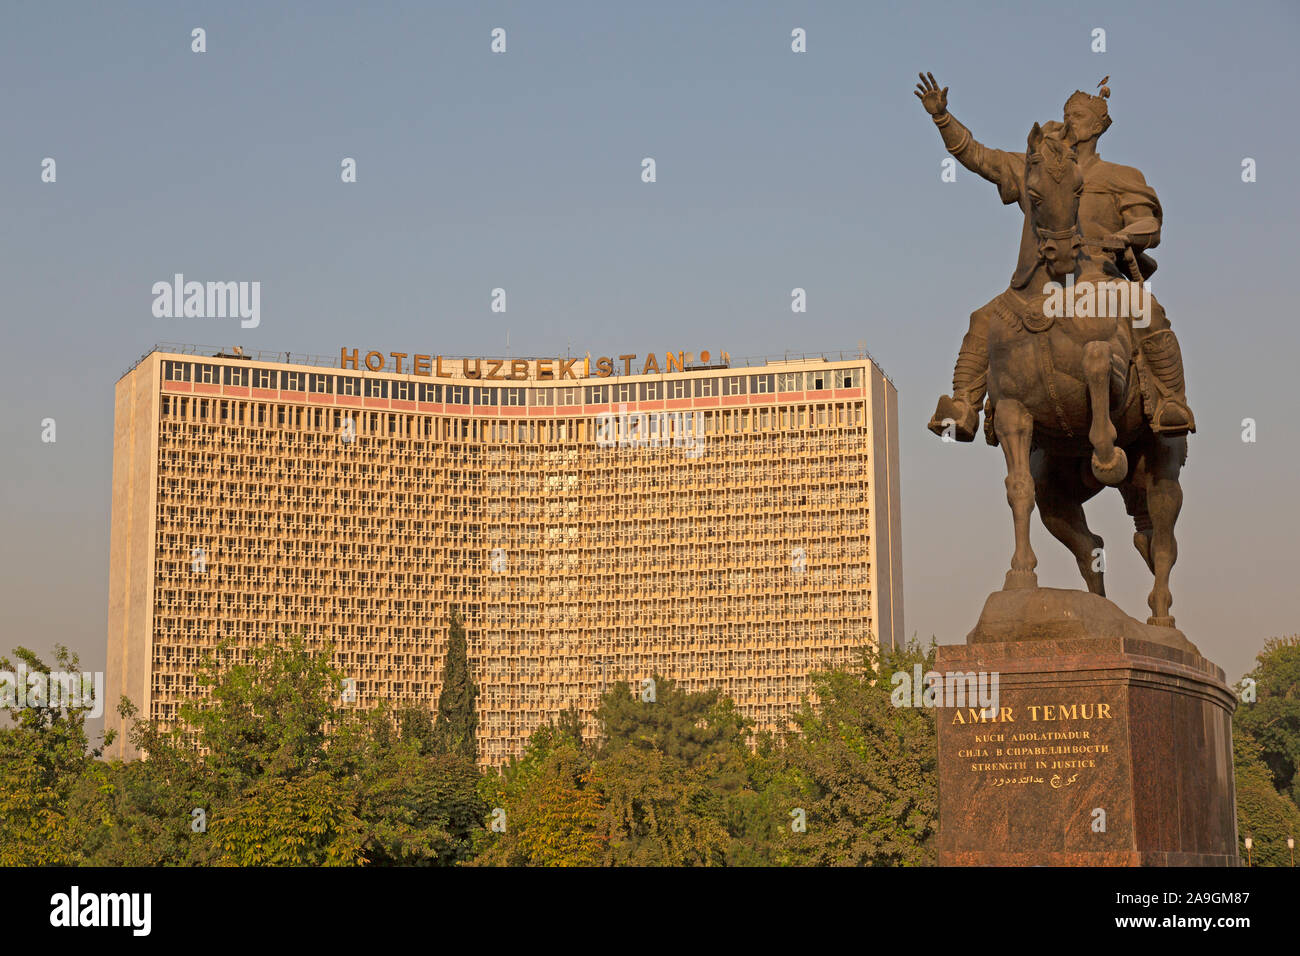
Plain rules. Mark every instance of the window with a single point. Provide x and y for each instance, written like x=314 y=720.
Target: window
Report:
x=679 y=388
x=848 y=378
x=235 y=376
x=651 y=391
x=761 y=384
x=376 y=388
x=322 y=384
x=625 y=393
x=512 y=396
x=403 y=391
x=294 y=381
x=456 y=394
x=597 y=394
x=570 y=396
x=208 y=374
x=178 y=371
x=788 y=382
x=735 y=385
x=430 y=393
x=265 y=378
x=541 y=396
x=484 y=396
x=815 y=381
x=348 y=385
x=705 y=387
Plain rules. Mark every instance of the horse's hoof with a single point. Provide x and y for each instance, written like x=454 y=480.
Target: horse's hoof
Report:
x=1020 y=580
x=1165 y=621
x=1112 y=472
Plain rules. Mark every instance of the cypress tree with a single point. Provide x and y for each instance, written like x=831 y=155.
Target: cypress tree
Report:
x=456 y=729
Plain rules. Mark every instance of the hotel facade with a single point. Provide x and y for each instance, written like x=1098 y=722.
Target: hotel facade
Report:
x=595 y=520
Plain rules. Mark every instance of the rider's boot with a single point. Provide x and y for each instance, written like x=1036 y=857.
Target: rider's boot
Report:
x=1169 y=412
x=958 y=414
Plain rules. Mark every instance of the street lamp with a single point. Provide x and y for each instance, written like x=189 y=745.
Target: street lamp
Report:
x=1249 y=843
x=1290 y=845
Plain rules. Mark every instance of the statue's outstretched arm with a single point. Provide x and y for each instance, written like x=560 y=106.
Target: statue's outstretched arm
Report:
x=999 y=167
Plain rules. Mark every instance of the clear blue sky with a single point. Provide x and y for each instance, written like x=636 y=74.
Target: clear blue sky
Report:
x=522 y=171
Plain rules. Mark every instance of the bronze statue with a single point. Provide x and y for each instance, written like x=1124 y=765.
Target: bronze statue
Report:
x=1066 y=391
x=1119 y=216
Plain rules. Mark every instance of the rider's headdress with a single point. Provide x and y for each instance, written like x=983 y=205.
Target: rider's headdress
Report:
x=1094 y=104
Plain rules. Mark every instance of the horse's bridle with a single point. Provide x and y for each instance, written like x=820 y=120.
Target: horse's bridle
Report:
x=1056 y=233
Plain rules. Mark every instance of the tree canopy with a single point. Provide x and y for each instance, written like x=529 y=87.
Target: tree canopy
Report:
x=273 y=768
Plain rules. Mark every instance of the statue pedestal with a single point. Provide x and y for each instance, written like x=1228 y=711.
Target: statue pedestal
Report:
x=1110 y=744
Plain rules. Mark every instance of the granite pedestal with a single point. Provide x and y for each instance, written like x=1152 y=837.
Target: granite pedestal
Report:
x=1110 y=743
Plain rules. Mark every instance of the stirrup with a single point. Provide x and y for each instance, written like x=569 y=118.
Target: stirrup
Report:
x=949 y=415
x=1172 y=417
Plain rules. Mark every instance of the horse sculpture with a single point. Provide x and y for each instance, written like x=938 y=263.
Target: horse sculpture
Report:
x=1065 y=399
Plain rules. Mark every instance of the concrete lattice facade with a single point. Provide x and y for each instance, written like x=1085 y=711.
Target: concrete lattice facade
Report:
x=359 y=506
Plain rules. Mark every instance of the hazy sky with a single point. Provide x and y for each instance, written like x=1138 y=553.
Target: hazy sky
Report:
x=522 y=171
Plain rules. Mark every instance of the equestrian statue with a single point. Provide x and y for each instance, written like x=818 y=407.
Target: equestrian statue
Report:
x=1083 y=375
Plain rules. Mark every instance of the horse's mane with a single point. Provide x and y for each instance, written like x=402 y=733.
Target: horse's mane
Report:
x=1055 y=154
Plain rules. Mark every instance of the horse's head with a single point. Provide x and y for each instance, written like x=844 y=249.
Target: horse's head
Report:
x=1054 y=184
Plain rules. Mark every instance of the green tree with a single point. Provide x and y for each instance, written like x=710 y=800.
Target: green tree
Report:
x=419 y=808
x=553 y=816
x=1262 y=813
x=1273 y=719
x=415 y=725
x=456 y=729
x=701 y=730
x=252 y=756
x=141 y=813
x=868 y=768
x=569 y=722
x=308 y=820
x=265 y=714
x=43 y=757
x=659 y=812
x=671 y=770
x=760 y=816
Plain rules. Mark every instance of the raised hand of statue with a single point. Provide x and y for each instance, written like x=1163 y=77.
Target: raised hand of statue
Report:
x=934 y=100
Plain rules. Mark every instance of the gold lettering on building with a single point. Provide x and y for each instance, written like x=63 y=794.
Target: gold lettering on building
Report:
x=543 y=369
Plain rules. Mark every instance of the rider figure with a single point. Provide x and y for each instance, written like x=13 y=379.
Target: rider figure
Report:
x=1118 y=212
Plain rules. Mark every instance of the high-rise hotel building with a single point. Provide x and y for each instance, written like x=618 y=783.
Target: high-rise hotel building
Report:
x=596 y=520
